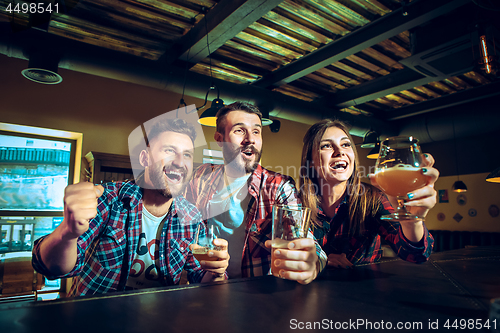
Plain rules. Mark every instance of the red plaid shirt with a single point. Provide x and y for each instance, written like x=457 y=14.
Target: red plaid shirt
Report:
x=266 y=188
x=333 y=235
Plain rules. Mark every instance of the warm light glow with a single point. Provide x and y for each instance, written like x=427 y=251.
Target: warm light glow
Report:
x=208 y=121
x=493 y=180
x=486 y=59
x=494 y=176
x=373 y=154
x=388 y=161
x=459 y=186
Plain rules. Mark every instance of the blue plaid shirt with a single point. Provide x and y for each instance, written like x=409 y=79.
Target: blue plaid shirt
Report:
x=106 y=249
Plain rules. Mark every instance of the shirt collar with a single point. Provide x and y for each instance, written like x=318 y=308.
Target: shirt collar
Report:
x=255 y=179
x=343 y=202
x=130 y=193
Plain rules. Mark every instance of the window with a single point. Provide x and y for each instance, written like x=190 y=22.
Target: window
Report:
x=16 y=236
x=35 y=168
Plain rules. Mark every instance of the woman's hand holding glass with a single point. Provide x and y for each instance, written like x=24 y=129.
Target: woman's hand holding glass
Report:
x=418 y=201
x=293 y=255
x=298 y=262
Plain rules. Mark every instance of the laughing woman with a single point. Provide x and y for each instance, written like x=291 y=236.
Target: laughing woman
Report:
x=346 y=212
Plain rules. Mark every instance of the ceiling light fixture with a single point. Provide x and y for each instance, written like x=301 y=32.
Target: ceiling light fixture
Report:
x=370 y=140
x=209 y=116
x=373 y=154
x=458 y=186
x=494 y=176
x=265 y=117
x=487 y=61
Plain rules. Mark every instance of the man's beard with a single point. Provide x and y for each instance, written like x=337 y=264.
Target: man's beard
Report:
x=232 y=157
x=157 y=176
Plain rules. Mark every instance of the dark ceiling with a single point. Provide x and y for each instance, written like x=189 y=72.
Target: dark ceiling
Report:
x=380 y=64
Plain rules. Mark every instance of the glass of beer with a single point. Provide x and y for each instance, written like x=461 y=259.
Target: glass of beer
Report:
x=288 y=223
x=398 y=171
x=204 y=240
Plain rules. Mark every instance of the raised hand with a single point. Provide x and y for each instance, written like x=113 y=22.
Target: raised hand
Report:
x=58 y=251
x=80 y=206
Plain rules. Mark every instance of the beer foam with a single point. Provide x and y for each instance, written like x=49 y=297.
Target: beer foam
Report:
x=405 y=167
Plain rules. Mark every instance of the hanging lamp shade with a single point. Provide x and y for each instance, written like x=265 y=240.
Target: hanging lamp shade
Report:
x=370 y=140
x=459 y=186
x=373 y=154
x=266 y=121
x=209 y=116
x=494 y=176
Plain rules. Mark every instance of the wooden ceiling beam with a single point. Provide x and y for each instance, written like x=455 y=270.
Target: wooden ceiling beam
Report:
x=457 y=98
x=379 y=87
x=373 y=33
x=223 y=22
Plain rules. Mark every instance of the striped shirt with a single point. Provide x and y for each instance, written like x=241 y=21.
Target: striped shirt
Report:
x=266 y=188
x=333 y=235
x=106 y=250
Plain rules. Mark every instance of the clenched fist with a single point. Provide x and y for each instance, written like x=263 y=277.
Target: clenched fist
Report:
x=80 y=206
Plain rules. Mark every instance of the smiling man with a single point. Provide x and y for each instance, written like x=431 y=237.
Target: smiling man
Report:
x=237 y=198
x=132 y=234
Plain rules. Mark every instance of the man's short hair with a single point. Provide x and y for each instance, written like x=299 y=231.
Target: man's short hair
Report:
x=236 y=106
x=172 y=125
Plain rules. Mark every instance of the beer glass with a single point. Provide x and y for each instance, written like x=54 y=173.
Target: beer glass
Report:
x=398 y=171
x=288 y=223
x=204 y=240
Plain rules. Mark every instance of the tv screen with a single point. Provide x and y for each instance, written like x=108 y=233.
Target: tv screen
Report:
x=34 y=170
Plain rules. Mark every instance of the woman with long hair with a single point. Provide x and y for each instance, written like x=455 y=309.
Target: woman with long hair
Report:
x=346 y=212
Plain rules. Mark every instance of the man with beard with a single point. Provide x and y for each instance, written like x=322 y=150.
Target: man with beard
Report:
x=132 y=234
x=237 y=198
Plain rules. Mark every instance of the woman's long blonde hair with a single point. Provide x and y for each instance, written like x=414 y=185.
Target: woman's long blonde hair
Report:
x=362 y=199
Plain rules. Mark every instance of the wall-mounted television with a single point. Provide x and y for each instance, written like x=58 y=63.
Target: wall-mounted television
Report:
x=34 y=171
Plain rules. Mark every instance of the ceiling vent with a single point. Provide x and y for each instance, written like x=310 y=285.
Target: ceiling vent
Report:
x=453 y=58
x=41 y=75
x=42 y=68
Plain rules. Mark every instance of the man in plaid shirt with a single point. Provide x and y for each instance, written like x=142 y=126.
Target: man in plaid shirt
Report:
x=237 y=198
x=131 y=235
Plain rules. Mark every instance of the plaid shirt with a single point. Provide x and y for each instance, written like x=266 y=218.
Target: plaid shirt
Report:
x=266 y=188
x=366 y=247
x=114 y=234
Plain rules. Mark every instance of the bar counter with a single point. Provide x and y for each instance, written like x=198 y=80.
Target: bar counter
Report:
x=450 y=292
